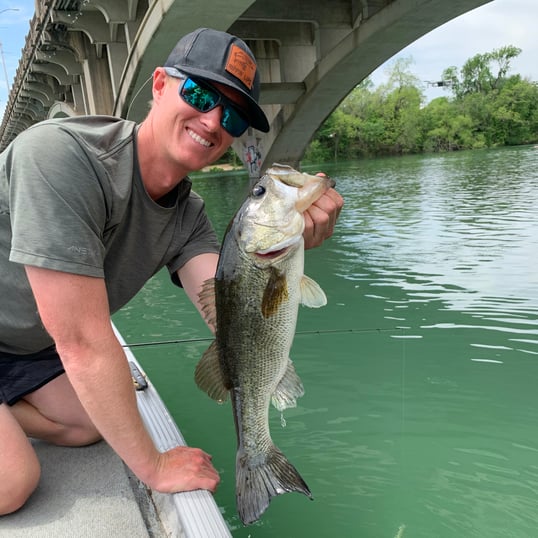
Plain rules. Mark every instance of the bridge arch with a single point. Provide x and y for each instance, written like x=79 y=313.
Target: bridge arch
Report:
x=95 y=57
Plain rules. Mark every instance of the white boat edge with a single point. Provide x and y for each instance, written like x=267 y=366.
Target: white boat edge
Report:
x=192 y=514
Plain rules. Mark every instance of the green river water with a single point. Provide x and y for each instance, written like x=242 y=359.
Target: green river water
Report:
x=420 y=413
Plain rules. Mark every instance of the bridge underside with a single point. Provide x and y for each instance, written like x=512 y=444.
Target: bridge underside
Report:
x=95 y=56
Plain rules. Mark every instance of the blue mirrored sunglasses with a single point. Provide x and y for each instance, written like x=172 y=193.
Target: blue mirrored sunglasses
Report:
x=204 y=98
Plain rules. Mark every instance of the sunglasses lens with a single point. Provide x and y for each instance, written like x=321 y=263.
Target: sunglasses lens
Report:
x=201 y=98
x=233 y=121
x=204 y=99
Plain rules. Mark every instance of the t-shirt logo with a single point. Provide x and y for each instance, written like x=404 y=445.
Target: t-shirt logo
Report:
x=241 y=65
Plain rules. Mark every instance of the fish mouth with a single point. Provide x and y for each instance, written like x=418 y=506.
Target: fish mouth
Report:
x=277 y=250
x=272 y=254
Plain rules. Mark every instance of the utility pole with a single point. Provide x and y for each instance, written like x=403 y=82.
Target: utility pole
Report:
x=4 y=65
x=2 y=51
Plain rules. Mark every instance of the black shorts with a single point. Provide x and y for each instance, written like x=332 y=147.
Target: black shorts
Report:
x=22 y=374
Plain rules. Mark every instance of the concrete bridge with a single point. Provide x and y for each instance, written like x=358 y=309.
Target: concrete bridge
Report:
x=95 y=57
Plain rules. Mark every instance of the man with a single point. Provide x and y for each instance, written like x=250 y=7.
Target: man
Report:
x=90 y=209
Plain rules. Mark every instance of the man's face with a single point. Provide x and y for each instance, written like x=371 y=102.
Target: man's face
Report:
x=192 y=139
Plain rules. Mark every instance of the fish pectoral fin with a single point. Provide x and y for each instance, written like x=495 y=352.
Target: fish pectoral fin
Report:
x=275 y=293
x=207 y=302
x=288 y=389
x=311 y=293
x=208 y=375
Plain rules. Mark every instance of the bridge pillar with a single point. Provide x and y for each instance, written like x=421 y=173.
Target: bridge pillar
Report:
x=117 y=57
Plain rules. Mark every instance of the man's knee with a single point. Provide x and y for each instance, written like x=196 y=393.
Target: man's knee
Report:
x=60 y=421
x=18 y=483
x=79 y=435
x=19 y=466
x=85 y=435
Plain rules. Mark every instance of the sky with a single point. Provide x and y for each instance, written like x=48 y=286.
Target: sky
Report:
x=489 y=27
x=482 y=30
x=14 y=26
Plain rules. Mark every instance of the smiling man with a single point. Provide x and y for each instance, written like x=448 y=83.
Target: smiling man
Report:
x=90 y=209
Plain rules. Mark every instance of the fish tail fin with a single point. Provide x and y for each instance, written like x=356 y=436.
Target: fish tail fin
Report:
x=257 y=483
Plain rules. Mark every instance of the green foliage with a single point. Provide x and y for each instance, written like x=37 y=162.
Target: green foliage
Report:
x=488 y=107
x=483 y=73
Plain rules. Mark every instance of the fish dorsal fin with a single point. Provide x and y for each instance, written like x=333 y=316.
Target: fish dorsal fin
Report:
x=207 y=302
x=311 y=293
x=289 y=388
x=208 y=374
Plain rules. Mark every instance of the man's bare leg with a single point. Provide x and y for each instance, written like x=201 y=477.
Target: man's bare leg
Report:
x=53 y=413
x=19 y=467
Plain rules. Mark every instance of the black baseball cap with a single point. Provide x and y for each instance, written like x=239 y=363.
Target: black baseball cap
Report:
x=221 y=57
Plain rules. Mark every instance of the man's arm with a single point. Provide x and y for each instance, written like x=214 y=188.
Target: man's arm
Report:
x=74 y=310
x=194 y=273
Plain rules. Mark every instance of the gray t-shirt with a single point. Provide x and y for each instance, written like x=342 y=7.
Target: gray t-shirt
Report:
x=72 y=200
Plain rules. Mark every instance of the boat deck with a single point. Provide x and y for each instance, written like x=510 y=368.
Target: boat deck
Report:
x=83 y=492
x=89 y=492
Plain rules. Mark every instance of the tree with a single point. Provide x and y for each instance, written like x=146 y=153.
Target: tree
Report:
x=489 y=107
x=514 y=117
x=400 y=76
x=483 y=73
x=448 y=128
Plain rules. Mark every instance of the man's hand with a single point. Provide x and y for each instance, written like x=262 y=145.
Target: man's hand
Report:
x=184 y=469
x=321 y=217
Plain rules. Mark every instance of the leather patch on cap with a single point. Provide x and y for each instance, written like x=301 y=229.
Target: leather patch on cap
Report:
x=241 y=66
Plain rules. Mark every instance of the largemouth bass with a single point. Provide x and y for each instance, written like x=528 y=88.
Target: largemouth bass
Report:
x=253 y=305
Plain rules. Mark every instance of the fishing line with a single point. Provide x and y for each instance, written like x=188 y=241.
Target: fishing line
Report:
x=165 y=342
x=136 y=95
x=343 y=331
x=299 y=333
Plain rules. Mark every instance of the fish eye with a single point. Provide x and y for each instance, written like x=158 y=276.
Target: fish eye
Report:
x=258 y=191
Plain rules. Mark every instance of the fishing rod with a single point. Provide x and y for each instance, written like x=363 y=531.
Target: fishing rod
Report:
x=298 y=333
